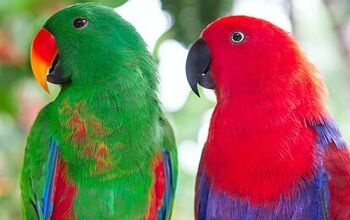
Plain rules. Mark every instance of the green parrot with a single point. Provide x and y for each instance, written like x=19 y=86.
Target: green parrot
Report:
x=103 y=148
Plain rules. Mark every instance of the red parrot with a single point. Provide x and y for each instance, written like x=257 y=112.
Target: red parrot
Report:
x=273 y=150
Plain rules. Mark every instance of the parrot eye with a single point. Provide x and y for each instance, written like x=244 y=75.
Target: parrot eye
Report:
x=237 y=37
x=80 y=22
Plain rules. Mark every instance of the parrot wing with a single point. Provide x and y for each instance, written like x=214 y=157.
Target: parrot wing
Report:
x=336 y=161
x=44 y=175
x=337 y=165
x=201 y=194
x=34 y=168
x=171 y=170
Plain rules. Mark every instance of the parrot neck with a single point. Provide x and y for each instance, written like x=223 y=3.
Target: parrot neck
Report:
x=262 y=147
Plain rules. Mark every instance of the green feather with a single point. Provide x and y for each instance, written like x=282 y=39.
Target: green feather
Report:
x=108 y=120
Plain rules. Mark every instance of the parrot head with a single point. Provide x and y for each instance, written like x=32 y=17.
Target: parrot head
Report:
x=243 y=55
x=86 y=44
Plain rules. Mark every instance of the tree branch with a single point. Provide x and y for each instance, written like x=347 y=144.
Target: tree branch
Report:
x=345 y=48
x=291 y=16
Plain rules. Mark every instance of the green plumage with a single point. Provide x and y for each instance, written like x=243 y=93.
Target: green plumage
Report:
x=108 y=122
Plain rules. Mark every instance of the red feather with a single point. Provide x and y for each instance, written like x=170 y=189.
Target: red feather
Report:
x=65 y=192
x=158 y=188
x=260 y=145
x=337 y=163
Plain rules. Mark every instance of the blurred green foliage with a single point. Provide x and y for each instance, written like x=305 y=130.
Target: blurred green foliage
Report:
x=191 y=16
x=20 y=20
x=35 y=7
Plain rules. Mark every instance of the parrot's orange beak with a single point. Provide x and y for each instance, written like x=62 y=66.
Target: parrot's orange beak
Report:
x=42 y=55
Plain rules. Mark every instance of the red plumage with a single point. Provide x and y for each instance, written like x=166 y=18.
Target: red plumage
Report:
x=337 y=163
x=64 y=194
x=273 y=151
x=270 y=91
x=158 y=188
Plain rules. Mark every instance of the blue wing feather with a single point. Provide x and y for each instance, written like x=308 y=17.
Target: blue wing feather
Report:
x=331 y=140
x=164 y=211
x=312 y=203
x=203 y=193
x=47 y=202
x=328 y=132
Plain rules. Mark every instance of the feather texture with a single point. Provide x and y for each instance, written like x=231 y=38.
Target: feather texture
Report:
x=323 y=197
x=272 y=151
x=50 y=183
x=108 y=127
x=337 y=163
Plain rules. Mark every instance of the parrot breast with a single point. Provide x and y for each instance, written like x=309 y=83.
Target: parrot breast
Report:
x=259 y=161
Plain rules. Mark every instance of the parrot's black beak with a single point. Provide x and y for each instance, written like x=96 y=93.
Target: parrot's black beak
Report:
x=198 y=66
x=55 y=74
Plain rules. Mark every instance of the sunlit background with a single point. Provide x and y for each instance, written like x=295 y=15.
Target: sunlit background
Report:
x=168 y=26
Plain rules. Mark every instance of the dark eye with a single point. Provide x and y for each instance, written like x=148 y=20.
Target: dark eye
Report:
x=80 y=22
x=237 y=37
